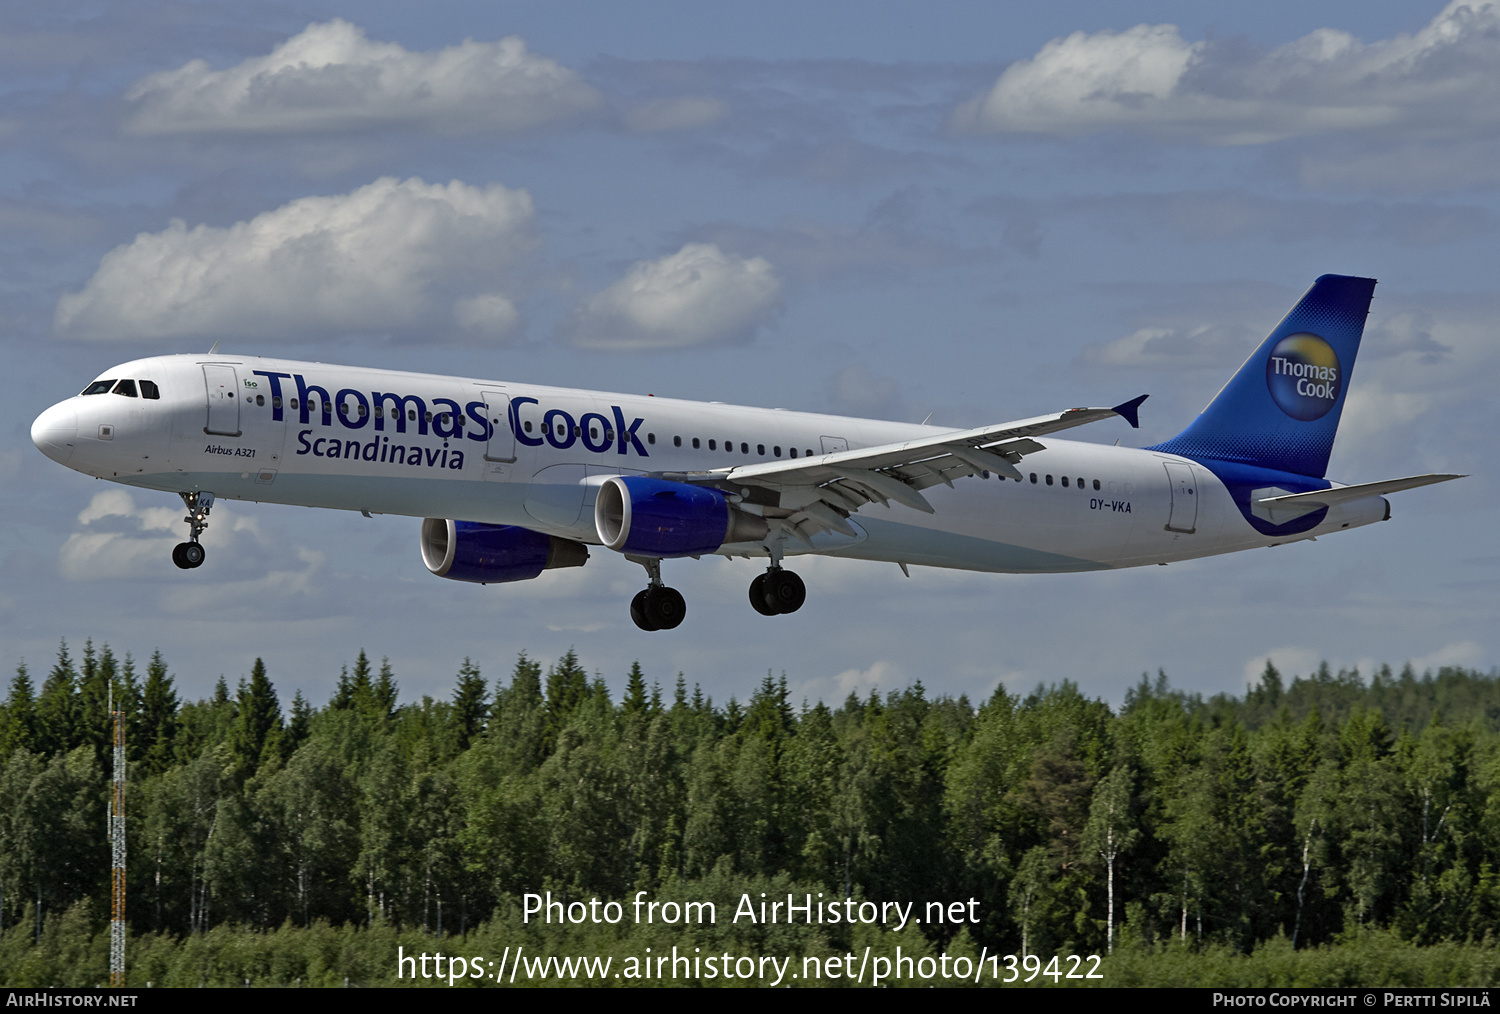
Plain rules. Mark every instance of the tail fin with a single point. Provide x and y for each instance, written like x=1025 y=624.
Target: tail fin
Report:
x=1281 y=410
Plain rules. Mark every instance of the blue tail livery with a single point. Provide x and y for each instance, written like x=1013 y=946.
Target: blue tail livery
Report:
x=1281 y=410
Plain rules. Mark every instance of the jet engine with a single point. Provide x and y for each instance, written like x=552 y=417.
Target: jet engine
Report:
x=493 y=554
x=649 y=517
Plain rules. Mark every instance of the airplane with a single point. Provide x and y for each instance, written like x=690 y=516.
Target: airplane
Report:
x=513 y=479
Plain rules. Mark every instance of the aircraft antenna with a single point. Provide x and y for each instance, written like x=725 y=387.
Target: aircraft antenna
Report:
x=117 y=854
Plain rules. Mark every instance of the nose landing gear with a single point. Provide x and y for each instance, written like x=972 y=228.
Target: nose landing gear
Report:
x=657 y=607
x=189 y=554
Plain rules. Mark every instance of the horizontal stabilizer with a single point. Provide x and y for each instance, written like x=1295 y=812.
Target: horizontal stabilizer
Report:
x=1288 y=506
x=1341 y=494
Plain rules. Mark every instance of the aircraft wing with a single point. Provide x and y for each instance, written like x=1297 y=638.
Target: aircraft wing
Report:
x=815 y=494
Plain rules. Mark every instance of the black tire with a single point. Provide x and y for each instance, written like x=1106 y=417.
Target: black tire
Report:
x=177 y=556
x=785 y=590
x=665 y=607
x=758 y=598
x=192 y=554
x=638 y=612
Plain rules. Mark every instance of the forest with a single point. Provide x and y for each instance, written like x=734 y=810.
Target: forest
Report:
x=1318 y=829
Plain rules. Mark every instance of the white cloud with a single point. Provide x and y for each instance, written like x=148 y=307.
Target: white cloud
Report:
x=1437 y=83
x=1173 y=348
x=490 y=314
x=390 y=257
x=681 y=113
x=855 y=390
x=696 y=296
x=883 y=675
x=1467 y=654
x=121 y=540
x=331 y=77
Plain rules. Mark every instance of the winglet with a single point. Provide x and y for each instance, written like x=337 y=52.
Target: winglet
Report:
x=1130 y=411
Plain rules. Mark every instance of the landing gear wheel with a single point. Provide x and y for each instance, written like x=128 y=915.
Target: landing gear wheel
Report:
x=758 y=598
x=665 y=607
x=637 y=611
x=187 y=555
x=785 y=590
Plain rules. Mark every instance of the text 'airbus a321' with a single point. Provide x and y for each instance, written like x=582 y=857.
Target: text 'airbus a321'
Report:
x=512 y=479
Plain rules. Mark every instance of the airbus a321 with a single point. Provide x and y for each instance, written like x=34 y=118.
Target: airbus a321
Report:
x=512 y=479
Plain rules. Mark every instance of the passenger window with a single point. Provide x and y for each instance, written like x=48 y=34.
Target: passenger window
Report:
x=809 y=453
x=745 y=448
x=777 y=450
x=1096 y=483
x=150 y=390
x=99 y=387
x=794 y=451
x=760 y=449
x=294 y=403
x=411 y=414
x=677 y=441
x=695 y=443
x=528 y=425
x=650 y=438
x=1033 y=478
x=275 y=398
x=260 y=399
x=1049 y=480
x=126 y=387
x=713 y=445
x=1065 y=481
x=1080 y=483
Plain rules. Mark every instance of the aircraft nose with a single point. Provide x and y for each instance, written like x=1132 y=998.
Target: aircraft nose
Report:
x=55 y=432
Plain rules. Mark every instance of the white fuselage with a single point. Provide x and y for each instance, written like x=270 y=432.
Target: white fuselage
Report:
x=256 y=429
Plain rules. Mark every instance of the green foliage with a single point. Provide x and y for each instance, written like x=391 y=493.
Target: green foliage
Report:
x=1318 y=830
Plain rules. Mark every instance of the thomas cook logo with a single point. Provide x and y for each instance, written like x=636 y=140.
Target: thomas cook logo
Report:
x=1304 y=376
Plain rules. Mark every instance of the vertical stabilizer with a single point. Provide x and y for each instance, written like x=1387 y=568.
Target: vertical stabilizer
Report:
x=1282 y=409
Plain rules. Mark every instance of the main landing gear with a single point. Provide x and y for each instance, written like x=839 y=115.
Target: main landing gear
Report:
x=657 y=607
x=777 y=591
x=189 y=554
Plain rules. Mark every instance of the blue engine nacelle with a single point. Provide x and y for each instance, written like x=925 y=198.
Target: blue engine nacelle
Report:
x=641 y=516
x=493 y=554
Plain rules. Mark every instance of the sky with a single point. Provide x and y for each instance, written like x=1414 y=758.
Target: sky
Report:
x=980 y=211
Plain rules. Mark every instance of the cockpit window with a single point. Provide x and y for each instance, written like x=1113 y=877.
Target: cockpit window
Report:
x=126 y=387
x=150 y=390
x=99 y=387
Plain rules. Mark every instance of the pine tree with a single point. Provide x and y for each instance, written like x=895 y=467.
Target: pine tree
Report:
x=18 y=729
x=383 y=693
x=156 y=725
x=469 y=704
x=300 y=725
x=635 y=701
x=257 y=727
x=57 y=706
